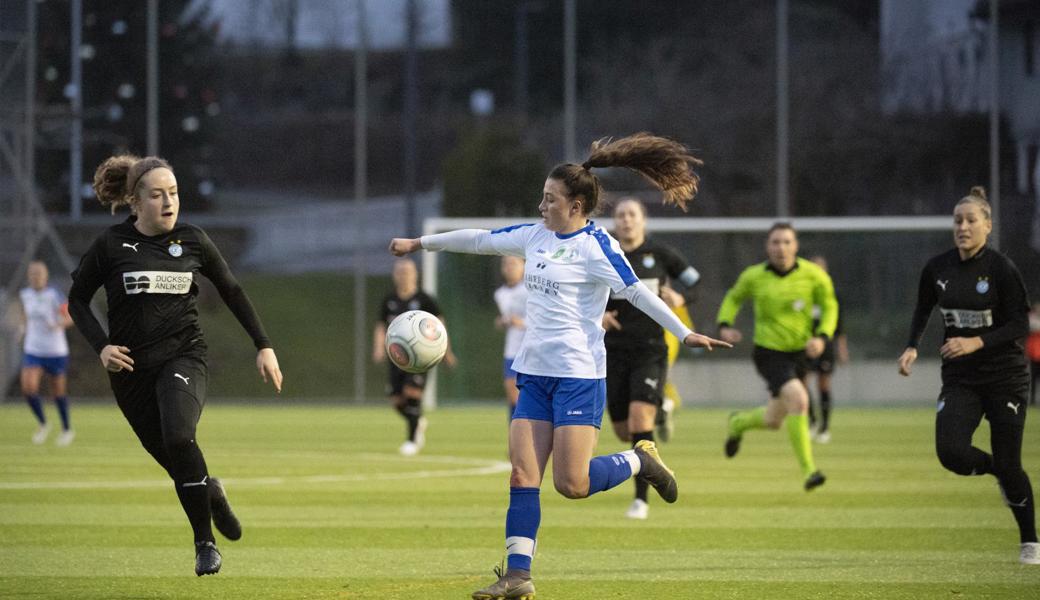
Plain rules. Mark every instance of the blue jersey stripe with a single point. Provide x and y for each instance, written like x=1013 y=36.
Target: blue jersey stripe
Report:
x=622 y=268
x=511 y=228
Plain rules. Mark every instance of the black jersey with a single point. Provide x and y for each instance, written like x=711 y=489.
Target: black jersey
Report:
x=655 y=264
x=394 y=305
x=151 y=285
x=983 y=296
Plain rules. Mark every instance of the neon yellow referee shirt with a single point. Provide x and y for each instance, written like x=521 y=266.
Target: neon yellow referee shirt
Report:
x=783 y=304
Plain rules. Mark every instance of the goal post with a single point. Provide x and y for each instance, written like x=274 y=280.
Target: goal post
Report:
x=874 y=261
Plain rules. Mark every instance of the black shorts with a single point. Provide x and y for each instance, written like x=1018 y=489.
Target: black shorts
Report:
x=399 y=379
x=777 y=367
x=824 y=363
x=634 y=375
x=999 y=404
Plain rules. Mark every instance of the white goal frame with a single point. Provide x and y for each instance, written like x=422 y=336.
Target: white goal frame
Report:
x=878 y=224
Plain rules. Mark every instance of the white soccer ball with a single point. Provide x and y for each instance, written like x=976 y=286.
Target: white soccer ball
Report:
x=416 y=341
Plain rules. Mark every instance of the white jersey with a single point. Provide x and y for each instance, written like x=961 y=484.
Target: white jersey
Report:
x=44 y=335
x=512 y=302
x=568 y=279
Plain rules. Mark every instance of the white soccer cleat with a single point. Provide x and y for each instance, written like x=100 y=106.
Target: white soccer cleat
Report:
x=420 y=433
x=1030 y=554
x=665 y=421
x=408 y=448
x=65 y=438
x=822 y=437
x=41 y=434
x=639 y=509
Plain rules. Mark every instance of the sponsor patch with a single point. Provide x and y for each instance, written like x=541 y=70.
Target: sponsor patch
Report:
x=967 y=319
x=156 y=282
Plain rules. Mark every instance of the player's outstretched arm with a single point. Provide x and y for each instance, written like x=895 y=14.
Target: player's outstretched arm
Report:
x=697 y=340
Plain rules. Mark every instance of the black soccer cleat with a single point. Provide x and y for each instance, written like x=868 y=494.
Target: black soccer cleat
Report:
x=733 y=441
x=815 y=480
x=207 y=559
x=224 y=519
x=654 y=472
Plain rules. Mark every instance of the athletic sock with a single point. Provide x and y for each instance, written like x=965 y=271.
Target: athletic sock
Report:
x=825 y=410
x=812 y=411
x=798 y=432
x=747 y=419
x=1018 y=495
x=522 y=520
x=194 y=497
x=62 y=403
x=608 y=471
x=412 y=411
x=37 y=408
x=641 y=484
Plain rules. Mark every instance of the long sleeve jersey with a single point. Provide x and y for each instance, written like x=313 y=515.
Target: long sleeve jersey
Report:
x=151 y=286
x=783 y=304
x=983 y=296
x=568 y=279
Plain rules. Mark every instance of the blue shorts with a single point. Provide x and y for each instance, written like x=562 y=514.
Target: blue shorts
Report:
x=507 y=369
x=561 y=400
x=51 y=365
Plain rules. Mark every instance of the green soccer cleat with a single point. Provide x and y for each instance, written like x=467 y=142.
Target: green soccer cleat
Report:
x=654 y=471
x=510 y=586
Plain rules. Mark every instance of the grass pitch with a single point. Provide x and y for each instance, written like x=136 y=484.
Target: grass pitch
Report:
x=330 y=511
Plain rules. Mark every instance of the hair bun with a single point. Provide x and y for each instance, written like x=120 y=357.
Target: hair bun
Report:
x=979 y=191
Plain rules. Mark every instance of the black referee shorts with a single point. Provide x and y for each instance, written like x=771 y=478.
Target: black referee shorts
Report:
x=777 y=367
x=634 y=375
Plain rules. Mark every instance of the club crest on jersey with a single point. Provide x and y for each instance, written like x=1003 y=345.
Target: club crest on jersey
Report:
x=648 y=261
x=175 y=249
x=982 y=286
x=564 y=254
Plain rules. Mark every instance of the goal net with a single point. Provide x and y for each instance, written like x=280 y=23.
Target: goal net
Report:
x=875 y=263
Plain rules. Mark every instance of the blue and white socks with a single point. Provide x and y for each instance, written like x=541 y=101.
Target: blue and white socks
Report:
x=522 y=520
x=611 y=470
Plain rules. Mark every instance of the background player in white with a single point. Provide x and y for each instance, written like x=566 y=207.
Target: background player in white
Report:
x=46 y=350
x=511 y=299
x=572 y=266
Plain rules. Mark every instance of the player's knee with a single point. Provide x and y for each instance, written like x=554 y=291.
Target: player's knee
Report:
x=177 y=444
x=954 y=458
x=773 y=422
x=571 y=488
x=521 y=477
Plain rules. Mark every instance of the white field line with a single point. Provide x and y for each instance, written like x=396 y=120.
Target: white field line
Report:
x=481 y=467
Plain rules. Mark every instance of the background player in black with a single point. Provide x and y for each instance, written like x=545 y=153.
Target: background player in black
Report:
x=405 y=389
x=982 y=298
x=637 y=358
x=154 y=350
x=835 y=351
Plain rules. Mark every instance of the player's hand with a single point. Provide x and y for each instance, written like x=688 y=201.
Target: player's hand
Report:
x=696 y=340
x=960 y=346
x=906 y=361
x=814 y=347
x=731 y=335
x=116 y=358
x=671 y=297
x=610 y=322
x=267 y=364
x=402 y=246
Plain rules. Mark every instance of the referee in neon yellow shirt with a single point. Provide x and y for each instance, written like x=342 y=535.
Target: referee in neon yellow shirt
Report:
x=783 y=291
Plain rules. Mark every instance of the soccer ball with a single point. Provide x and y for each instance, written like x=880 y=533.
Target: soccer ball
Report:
x=416 y=341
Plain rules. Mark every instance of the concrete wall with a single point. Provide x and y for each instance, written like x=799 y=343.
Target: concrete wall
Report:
x=865 y=383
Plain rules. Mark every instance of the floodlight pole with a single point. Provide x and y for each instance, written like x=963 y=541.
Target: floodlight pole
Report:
x=783 y=201
x=360 y=196
x=994 y=119
x=570 y=86
x=76 y=108
x=152 y=144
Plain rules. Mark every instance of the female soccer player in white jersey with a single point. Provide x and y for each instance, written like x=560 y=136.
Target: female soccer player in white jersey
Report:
x=572 y=266
x=511 y=300
x=46 y=349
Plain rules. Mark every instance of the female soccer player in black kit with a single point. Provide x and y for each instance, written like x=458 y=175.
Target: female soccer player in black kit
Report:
x=637 y=358
x=154 y=351
x=982 y=298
